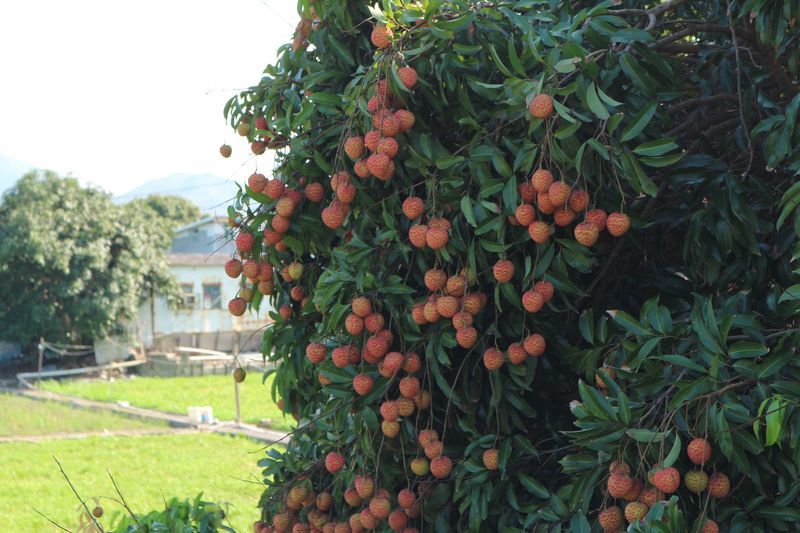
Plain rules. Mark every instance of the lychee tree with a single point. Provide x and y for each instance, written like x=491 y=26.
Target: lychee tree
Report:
x=533 y=264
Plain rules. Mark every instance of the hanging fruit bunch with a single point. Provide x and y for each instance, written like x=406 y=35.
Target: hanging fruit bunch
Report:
x=468 y=205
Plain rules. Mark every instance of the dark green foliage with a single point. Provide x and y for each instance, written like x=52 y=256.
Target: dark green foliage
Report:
x=681 y=114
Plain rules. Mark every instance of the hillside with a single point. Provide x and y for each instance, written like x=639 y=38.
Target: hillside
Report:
x=209 y=192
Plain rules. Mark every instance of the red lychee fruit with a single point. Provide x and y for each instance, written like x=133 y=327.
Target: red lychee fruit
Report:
x=545 y=288
x=361 y=306
x=586 y=233
x=430 y=312
x=539 y=231
x=390 y=411
x=558 y=193
x=368 y=521
x=517 y=354
x=667 y=480
x=362 y=384
x=699 y=451
x=378 y=163
x=491 y=459
x=315 y=352
x=597 y=217
x=398 y=520
x=314 y=192
x=413 y=207
x=437 y=238
x=386 y=124
x=412 y=363
x=285 y=207
x=709 y=526
x=420 y=466
x=435 y=279
x=503 y=271
x=466 y=337
x=237 y=306
x=418 y=235
x=233 y=268
x=545 y=205
x=618 y=224
x=650 y=495
x=405 y=406
x=619 y=485
x=527 y=192
x=525 y=214
x=534 y=345
x=225 y=151
x=441 y=467
x=388 y=146
x=579 y=200
x=492 y=358
x=563 y=216
x=334 y=462
x=274 y=188
x=409 y=387
x=354 y=324
x=462 y=319
x=456 y=286
x=258 y=147
x=541 y=106
x=381 y=36
x=285 y=311
x=406 y=498
x=719 y=485
x=541 y=180
x=354 y=147
x=280 y=224
x=405 y=119
x=365 y=486
x=374 y=322
x=426 y=436
x=257 y=182
x=532 y=301
x=447 y=306
x=610 y=519
x=408 y=76
x=245 y=242
x=633 y=494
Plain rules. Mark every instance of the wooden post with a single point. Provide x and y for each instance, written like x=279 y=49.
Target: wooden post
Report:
x=41 y=358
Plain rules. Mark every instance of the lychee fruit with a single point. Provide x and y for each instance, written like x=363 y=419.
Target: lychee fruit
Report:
x=413 y=207
x=447 y=306
x=456 y=286
x=225 y=151
x=258 y=147
x=563 y=216
x=544 y=204
x=610 y=519
x=491 y=459
x=257 y=182
x=667 y=480
x=406 y=498
x=597 y=217
x=539 y=231
x=354 y=147
x=408 y=76
x=398 y=520
x=374 y=322
x=378 y=164
x=239 y=374
x=412 y=363
x=361 y=306
x=586 y=233
x=315 y=352
x=280 y=224
x=365 y=486
x=503 y=271
x=381 y=36
x=527 y=192
x=354 y=324
x=462 y=319
x=696 y=481
x=405 y=406
x=525 y=214
x=578 y=200
x=368 y=521
x=237 y=306
x=532 y=301
x=709 y=526
x=618 y=224
x=405 y=119
x=437 y=238
x=334 y=462
x=466 y=337
x=435 y=279
x=233 y=268
x=314 y=192
x=441 y=467
x=274 y=188
x=699 y=451
x=534 y=344
x=619 y=484
x=388 y=146
x=430 y=312
x=635 y=512
x=558 y=193
x=362 y=384
x=418 y=235
x=719 y=485
x=650 y=495
x=492 y=358
x=245 y=242
x=541 y=106
x=545 y=288
x=420 y=466
x=517 y=354
x=541 y=180
x=390 y=411
x=409 y=387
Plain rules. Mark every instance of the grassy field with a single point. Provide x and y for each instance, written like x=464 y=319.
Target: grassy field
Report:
x=24 y=417
x=145 y=467
x=175 y=395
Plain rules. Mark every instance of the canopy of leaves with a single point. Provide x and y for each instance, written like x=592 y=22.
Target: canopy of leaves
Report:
x=175 y=210
x=73 y=266
x=681 y=114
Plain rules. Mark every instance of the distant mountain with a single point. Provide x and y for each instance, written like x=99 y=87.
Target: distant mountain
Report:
x=209 y=192
x=10 y=171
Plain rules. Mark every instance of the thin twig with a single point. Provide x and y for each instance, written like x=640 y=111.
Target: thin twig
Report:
x=75 y=491
x=62 y=528
x=121 y=497
x=745 y=130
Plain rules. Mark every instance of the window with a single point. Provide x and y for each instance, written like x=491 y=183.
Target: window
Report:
x=212 y=296
x=187 y=295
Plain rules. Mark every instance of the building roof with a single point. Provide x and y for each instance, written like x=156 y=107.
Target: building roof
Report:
x=215 y=260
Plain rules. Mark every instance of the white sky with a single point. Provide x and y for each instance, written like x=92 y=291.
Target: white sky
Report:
x=119 y=93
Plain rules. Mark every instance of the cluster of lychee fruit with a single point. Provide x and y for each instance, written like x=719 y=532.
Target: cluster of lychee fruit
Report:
x=433 y=234
x=661 y=482
x=259 y=133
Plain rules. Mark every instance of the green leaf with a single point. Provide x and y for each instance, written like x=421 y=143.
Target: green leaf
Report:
x=673 y=454
x=655 y=148
x=741 y=349
x=646 y=435
x=629 y=323
x=792 y=294
x=595 y=105
x=639 y=122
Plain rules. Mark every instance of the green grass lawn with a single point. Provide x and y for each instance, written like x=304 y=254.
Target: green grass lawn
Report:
x=175 y=395
x=23 y=416
x=145 y=467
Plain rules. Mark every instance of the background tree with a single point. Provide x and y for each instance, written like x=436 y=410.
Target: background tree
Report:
x=73 y=266
x=537 y=378
x=175 y=209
